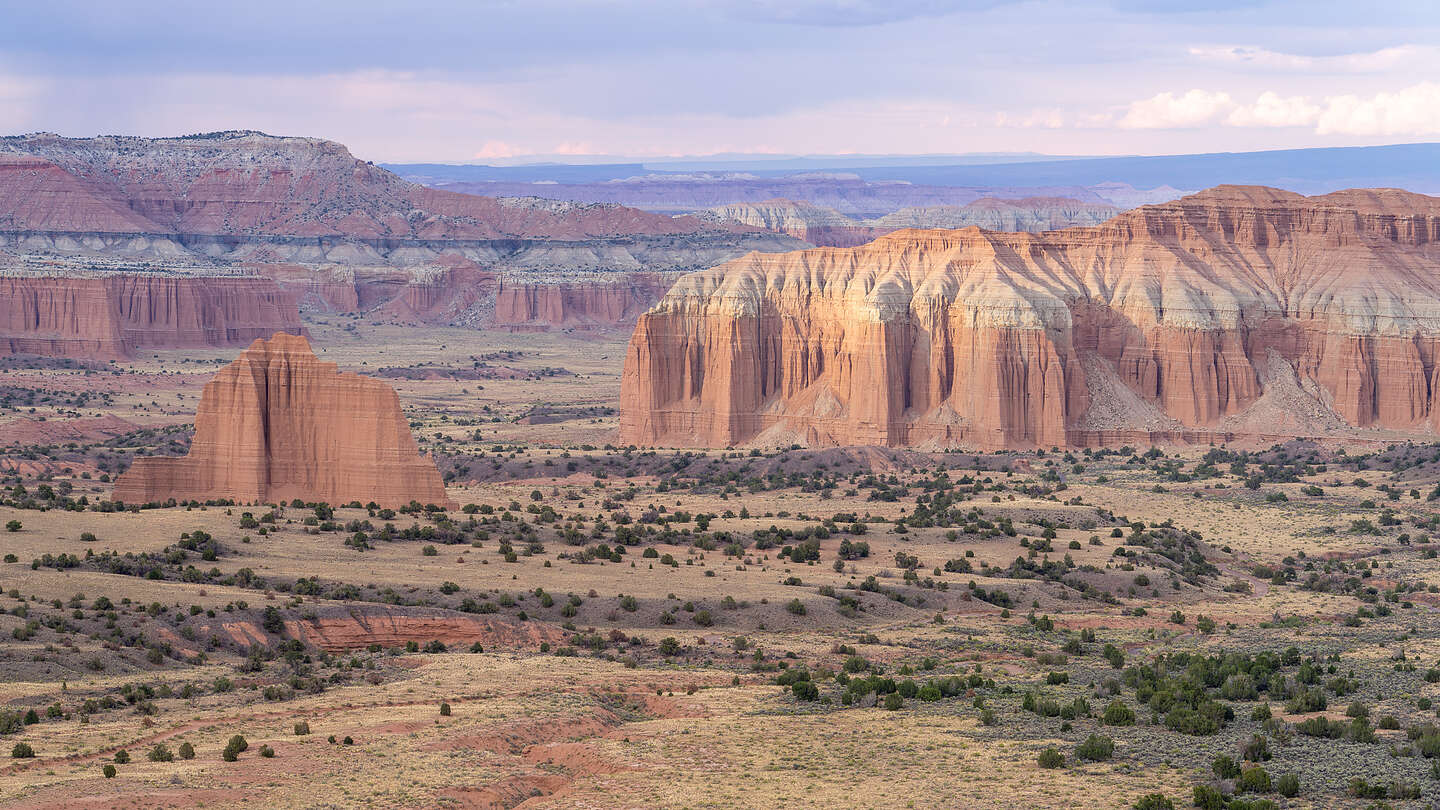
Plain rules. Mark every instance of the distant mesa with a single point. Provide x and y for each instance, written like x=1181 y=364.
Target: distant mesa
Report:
x=246 y=196
x=112 y=317
x=278 y=424
x=1239 y=312
x=827 y=227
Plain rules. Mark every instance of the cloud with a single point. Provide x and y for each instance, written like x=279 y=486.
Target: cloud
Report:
x=1168 y=111
x=491 y=150
x=1411 y=111
x=1274 y=110
x=1376 y=61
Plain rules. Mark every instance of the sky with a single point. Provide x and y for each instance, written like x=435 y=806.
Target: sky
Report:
x=497 y=81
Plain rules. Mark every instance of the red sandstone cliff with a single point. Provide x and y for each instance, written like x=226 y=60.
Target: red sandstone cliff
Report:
x=1237 y=311
x=279 y=424
x=111 y=317
x=456 y=292
x=579 y=304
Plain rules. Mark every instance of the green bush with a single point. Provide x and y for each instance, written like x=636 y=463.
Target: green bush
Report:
x=1118 y=714
x=1153 y=801
x=1225 y=767
x=1096 y=748
x=302 y=728
x=1209 y=798
x=22 y=751
x=160 y=753
x=1288 y=785
x=266 y=751
x=893 y=701
x=444 y=709
x=1051 y=758
x=122 y=757
x=1257 y=749
x=1254 y=779
x=186 y=751
x=234 y=748
x=108 y=770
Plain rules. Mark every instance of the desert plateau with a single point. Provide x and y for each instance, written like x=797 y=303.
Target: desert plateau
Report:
x=708 y=405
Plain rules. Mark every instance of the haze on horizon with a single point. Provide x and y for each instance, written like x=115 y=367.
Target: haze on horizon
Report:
x=497 y=81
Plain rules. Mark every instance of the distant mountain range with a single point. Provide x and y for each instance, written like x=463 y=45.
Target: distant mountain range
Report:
x=867 y=186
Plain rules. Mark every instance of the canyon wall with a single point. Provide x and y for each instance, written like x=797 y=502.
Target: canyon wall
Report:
x=1235 y=312
x=583 y=304
x=113 y=316
x=455 y=292
x=278 y=424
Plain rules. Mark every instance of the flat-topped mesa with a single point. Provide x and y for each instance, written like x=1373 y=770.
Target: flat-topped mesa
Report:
x=279 y=424
x=111 y=317
x=1239 y=311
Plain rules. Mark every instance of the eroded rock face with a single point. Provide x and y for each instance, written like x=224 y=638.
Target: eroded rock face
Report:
x=113 y=316
x=826 y=227
x=279 y=424
x=1202 y=318
x=583 y=304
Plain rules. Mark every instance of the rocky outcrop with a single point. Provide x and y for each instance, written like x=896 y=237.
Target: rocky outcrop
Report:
x=1032 y=214
x=826 y=227
x=111 y=317
x=816 y=224
x=279 y=424
x=1211 y=314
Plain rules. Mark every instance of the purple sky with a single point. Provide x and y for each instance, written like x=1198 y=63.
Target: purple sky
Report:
x=492 y=80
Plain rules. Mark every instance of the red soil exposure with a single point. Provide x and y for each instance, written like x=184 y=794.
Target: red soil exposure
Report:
x=129 y=794
x=59 y=431
x=508 y=793
x=388 y=628
x=516 y=739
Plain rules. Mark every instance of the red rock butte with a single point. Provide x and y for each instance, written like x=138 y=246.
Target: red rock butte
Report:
x=1239 y=312
x=111 y=317
x=279 y=424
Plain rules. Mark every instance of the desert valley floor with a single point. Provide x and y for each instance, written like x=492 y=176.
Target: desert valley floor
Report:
x=596 y=626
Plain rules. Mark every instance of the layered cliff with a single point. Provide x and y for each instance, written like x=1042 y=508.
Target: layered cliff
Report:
x=1032 y=214
x=585 y=304
x=278 y=424
x=826 y=227
x=110 y=317
x=252 y=197
x=1216 y=315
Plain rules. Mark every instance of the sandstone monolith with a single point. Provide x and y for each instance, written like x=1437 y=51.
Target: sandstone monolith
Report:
x=279 y=424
